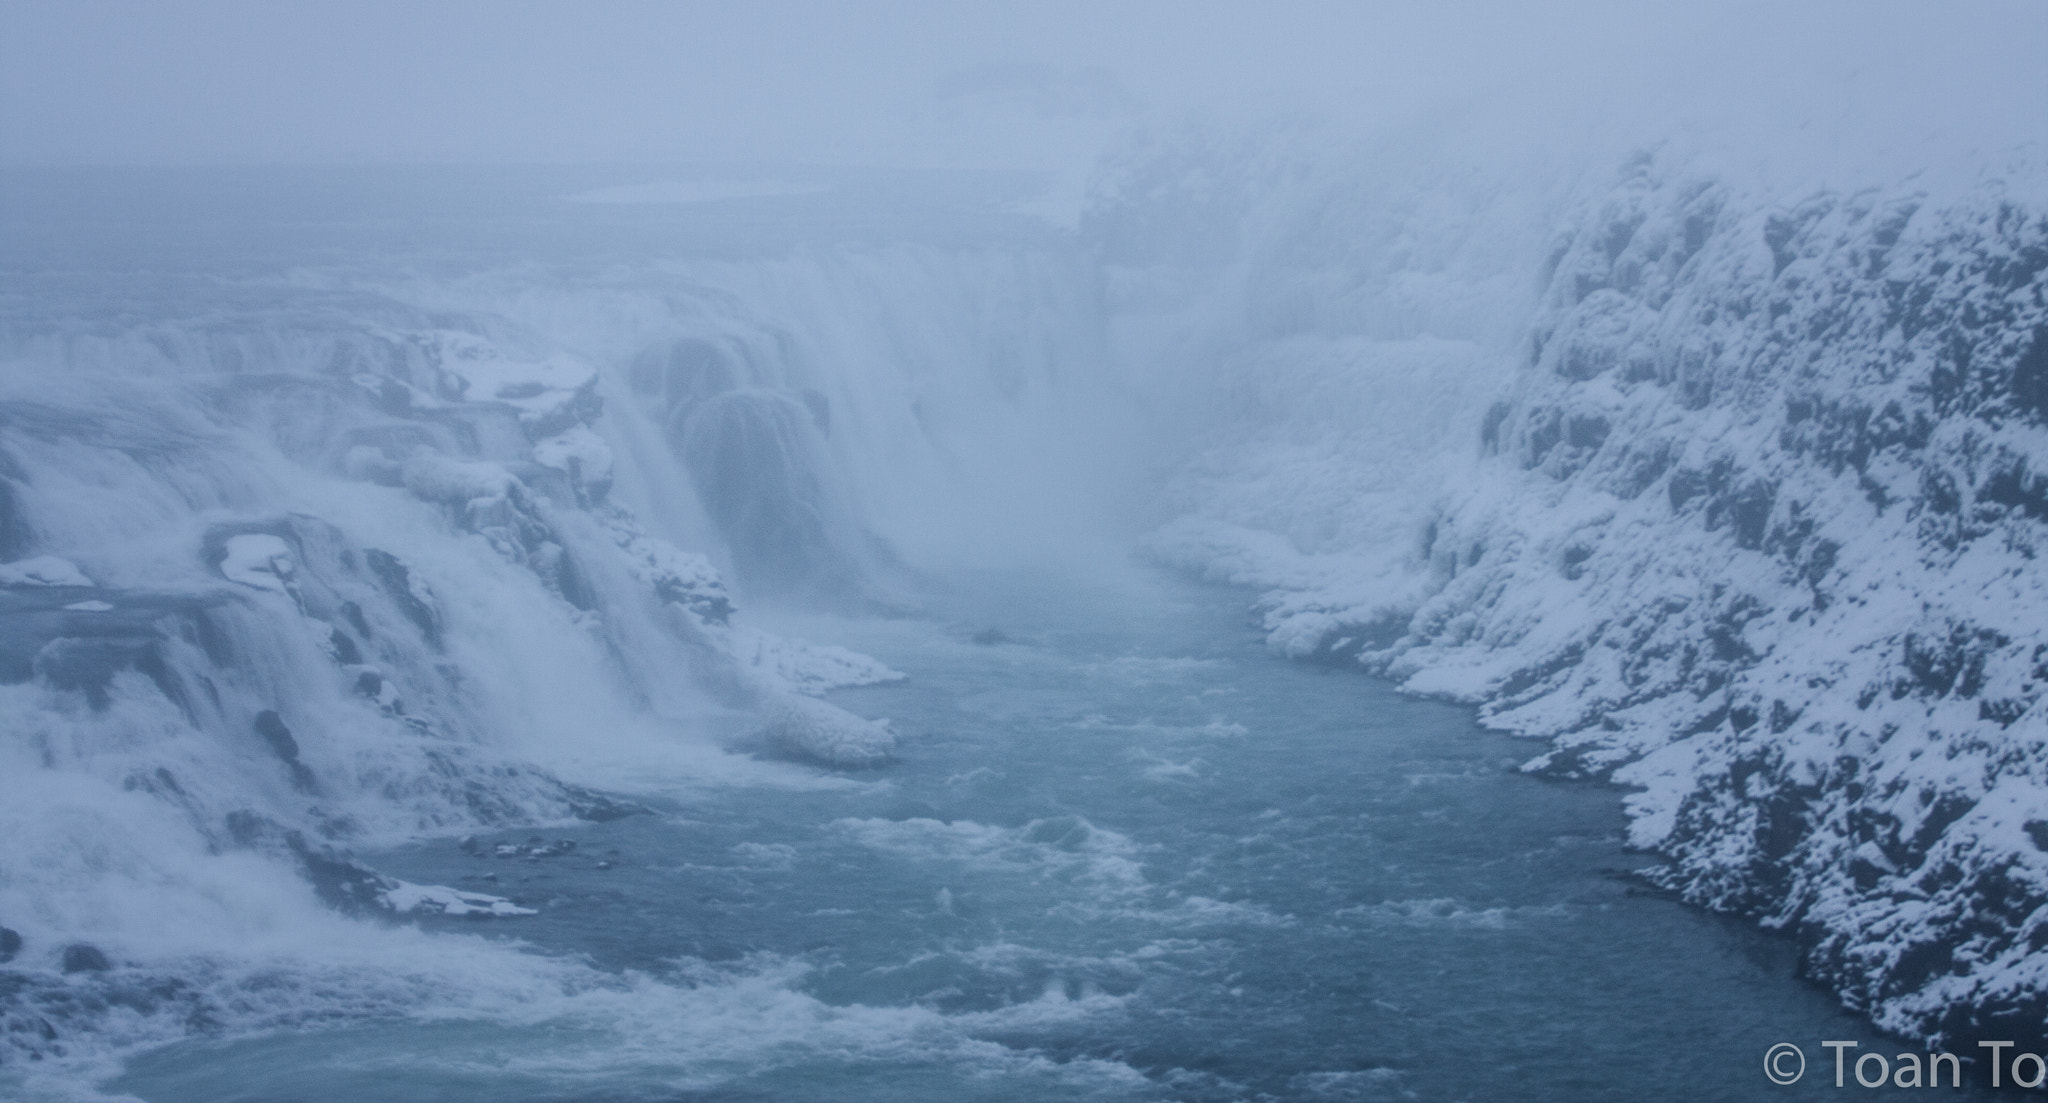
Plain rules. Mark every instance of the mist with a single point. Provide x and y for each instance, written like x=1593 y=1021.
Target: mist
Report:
x=975 y=85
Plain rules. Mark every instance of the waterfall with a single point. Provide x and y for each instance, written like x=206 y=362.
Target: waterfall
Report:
x=308 y=562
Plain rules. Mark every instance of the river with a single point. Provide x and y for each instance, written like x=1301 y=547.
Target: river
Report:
x=1124 y=853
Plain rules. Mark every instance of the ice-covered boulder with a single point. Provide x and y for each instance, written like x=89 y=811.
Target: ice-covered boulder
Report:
x=803 y=728
x=804 y=667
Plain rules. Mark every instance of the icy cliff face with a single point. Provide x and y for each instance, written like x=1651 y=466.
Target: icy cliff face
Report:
x=1755 y=530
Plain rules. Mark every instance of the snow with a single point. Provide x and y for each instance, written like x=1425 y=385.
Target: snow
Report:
x=806 y=668
x=440 y=478
x=42 y=570
x=577 y=451
x=407 y=898
x=259 y=560
x=819 y=732
x=683 y=578
x=546 y=391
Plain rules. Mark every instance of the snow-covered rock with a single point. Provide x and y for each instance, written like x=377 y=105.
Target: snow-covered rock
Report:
x=406 y=898
x=676 y=576
x=551 y=394
x=804 y=667
x=258 y=560
x=818 y=732
x=353 y=887
x=579 y=453
x=439 y=478
x=42 y=570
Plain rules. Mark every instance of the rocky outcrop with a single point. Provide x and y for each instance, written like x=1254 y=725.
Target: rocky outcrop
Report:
x=354 y=888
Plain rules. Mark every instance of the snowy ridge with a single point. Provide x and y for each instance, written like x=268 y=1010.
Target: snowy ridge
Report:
x=1755 y=531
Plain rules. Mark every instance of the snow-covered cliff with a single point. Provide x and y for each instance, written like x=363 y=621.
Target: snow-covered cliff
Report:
x=1752 y=526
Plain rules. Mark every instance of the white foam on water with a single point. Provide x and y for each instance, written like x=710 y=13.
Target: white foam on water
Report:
x=1067 y=847
x=1173 y=909
x=1447 y=912
x=497 y=1016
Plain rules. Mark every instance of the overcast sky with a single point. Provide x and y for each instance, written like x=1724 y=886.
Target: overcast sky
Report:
x=956 y=83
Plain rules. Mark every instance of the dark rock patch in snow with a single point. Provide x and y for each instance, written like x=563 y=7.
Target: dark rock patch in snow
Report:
x=83 y=957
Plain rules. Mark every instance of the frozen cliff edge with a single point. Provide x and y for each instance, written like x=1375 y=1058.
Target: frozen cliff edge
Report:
x=1756 y=531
